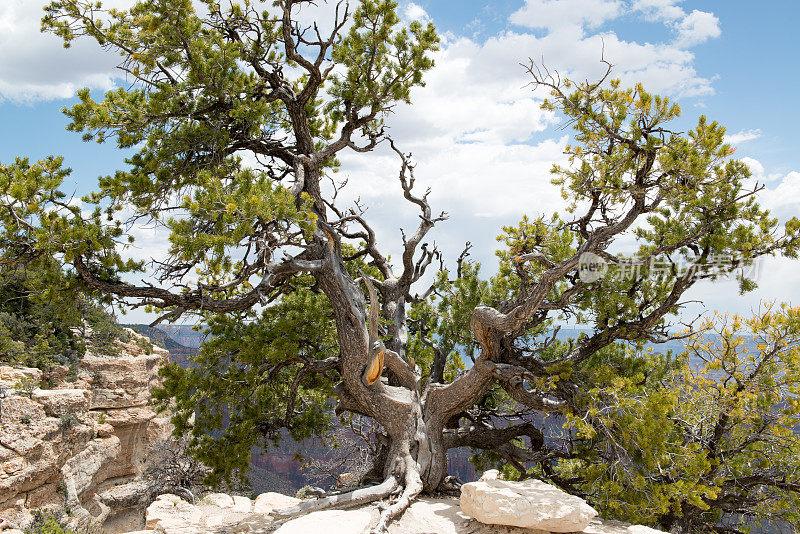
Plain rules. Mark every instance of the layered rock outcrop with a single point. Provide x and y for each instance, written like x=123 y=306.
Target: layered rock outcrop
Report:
x=81 y=444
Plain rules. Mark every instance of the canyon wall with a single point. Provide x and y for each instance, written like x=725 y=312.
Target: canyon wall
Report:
x=80 y=443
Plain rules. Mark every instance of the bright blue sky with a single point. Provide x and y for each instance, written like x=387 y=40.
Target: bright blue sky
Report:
x=735 y=61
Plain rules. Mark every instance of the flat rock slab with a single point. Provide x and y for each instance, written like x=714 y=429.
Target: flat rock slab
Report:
x=216 y=514
x=329 y=522
x=528 y=504
x=171 y=514
x=269 y=501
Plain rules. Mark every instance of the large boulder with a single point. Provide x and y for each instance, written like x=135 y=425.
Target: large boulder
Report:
x=528 y=504
x=267 y=502
x=220 y=500
x=444 y=516
x=121 y=381
x=241 y=504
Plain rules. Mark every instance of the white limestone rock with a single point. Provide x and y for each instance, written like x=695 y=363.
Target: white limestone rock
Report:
x=11 y=376
x=491 y=474
x=54 y=439
x=58 y=402
x=269 y=501
x=220 y=500
x=527 y=504
x=242 y=505
x=172 y=515
x=443 y=516
x=329 y=522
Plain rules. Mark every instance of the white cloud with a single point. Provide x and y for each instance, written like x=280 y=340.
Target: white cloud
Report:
x=783 y=200
x=659 y=10
x=743 y=136
x=696 y=28
x=35 y=66
x=559 y=13
x=755 y=166
x=759 y=174
x=414 y=11
x=691 y=29
x=778 y=277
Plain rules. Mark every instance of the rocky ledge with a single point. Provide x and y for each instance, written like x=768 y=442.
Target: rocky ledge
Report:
x=81 y=444
x=489 y=506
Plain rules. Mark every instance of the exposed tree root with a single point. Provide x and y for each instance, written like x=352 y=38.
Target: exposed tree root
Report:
x=344 y=500
x=412 y=488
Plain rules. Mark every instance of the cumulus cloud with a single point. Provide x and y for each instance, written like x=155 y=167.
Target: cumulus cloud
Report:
x=690 y=28
x=783 y=199
x=659 y=10
x=778 y=277
x=414 y=11
x=755 y=166
x=559 y=13
x=697 y=27
x=35 y=66
x=743 y=136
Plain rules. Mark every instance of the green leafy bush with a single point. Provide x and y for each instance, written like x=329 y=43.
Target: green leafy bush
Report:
x=46 y=523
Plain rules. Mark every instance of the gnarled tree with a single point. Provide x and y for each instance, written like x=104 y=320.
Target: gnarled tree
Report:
x=236 y=115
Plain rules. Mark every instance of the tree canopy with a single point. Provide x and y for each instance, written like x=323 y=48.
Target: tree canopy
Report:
x=235 y=115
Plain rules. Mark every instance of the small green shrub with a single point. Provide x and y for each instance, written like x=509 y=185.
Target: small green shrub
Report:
x=61 y=489
x=145 y=346
x=26 y=386
x=47 y=523
x=46 y=320
x=72 y=374
x=68 y=421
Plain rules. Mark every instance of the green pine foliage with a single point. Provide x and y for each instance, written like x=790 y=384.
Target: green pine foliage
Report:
x=44 y=321
x=235 y=117
x=244 y=388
